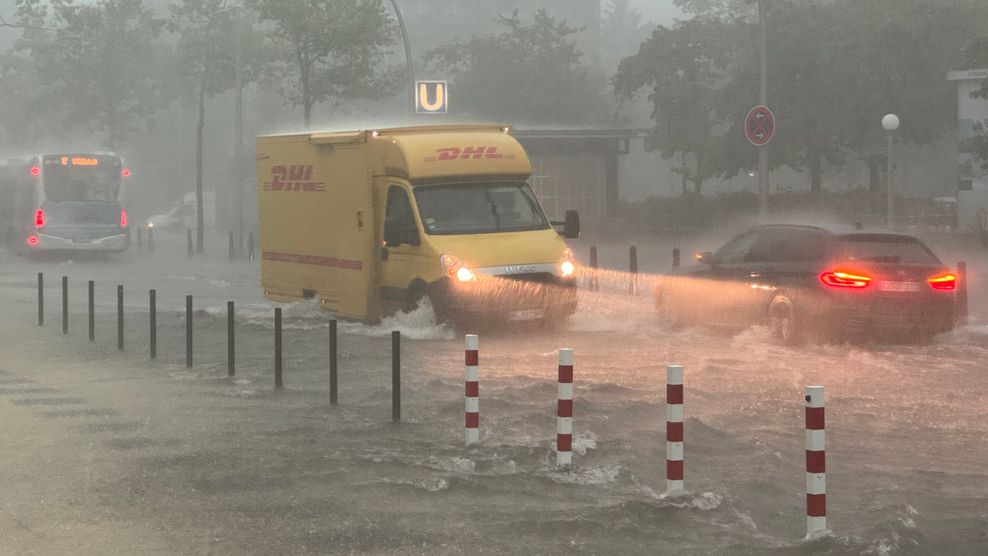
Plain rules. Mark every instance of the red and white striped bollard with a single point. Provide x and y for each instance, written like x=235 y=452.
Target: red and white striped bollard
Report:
x=674 y=429
x=816 y=462
x=472 y=392
x=564 y=409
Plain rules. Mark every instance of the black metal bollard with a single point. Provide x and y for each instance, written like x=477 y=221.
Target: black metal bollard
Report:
x=633 y=269
x=675 y=257
x=230 y=341
x=151 y=240
x=962 y=291
x=41 y=299
x=231 y=248
x=188 y=332
x=333 y=356
x=189 y=252
x=396 y=376
x=278 y=382
x=594 y=285
x=153 y=322
x=120 y=319
x=65 y=304
x=92 y=311
x=250 y=246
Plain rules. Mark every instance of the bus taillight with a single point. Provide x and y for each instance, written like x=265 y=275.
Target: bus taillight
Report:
x=39 y=219
x=123 y=219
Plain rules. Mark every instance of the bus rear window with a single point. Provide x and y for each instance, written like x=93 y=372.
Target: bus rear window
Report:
x=881 y=248
x=81 y=178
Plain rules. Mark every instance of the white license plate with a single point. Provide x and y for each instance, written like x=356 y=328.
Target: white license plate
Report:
x=533 y=314
x=886 y=286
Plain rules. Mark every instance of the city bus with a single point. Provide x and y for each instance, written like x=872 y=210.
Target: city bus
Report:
x=64 y=202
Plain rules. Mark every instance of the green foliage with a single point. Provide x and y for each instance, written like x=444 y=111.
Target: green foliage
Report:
x=531 y=72
x=835 y=68
x=329 y=50
x=684 y=67
x=96 y=64
x=622 y=30
x=976 y=57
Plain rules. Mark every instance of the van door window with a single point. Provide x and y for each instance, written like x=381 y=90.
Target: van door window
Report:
x=399 y=221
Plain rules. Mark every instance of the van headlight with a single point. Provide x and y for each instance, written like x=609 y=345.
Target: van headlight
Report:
x=455 y=268
x=568 y=267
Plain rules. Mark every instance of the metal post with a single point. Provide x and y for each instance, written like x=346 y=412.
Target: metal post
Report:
x=92 y=311
x=120 y=318
x=409 y=68
x=675 y=257
x=278 y=382
x=396 y=376
x=189 y=252
x=889 y=186
x=65 y=304
x=151 y=240
x=41 y=299
x=231 y=249
x=633 y=269
x=250 y=246
x=962 y=292
x=153 y=322
x=140 y=239
x=238 y=116
x=763 y=177
x=594 y=278
x=230 y=341
x=333 y=356
x=188 y=330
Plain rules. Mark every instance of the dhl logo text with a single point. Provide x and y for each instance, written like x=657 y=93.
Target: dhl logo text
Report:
x=293 y=178
x=467 y=153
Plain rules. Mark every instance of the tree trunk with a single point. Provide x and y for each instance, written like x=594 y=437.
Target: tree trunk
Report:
x=874 y=182
x=698 y=176
x=199 y=138
x=682 y=164
x=816 y=174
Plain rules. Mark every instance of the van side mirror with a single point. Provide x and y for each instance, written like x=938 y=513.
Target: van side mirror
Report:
x=392 y=237
x=571 y=226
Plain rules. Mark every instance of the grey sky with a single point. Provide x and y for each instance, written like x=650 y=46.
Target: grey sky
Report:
x=659 y=11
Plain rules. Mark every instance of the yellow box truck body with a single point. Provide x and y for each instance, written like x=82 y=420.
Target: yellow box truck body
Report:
x=371 y=222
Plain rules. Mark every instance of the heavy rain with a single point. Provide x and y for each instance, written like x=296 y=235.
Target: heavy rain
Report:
x=540 y=277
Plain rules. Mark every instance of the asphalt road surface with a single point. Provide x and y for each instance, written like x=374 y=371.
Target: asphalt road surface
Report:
x=108 y=452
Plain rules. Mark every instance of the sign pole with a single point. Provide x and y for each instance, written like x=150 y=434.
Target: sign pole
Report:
x=763 y=177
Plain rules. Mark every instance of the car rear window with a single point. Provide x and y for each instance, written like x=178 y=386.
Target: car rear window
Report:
x=882 y=248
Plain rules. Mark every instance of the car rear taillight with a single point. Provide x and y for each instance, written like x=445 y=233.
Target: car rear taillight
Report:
x=123 y=219
x=943 y=282
x=839 y=279
x=39 y=219
x=32 y=241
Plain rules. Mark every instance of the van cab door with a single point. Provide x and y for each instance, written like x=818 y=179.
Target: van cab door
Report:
x=404 y=254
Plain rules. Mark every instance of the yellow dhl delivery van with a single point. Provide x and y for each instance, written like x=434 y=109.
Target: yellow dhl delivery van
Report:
x=372 y=222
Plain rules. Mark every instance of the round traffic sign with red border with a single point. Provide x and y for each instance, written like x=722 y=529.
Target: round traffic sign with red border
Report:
x=759 y=126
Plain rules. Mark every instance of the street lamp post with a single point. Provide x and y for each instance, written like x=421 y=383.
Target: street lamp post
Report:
x=763 y=177
x=890 y=123
x=409 y=67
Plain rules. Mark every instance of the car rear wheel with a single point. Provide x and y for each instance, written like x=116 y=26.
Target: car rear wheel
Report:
x=784 y=322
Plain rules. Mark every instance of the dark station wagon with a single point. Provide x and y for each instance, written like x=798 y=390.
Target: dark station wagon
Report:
x=805 y=281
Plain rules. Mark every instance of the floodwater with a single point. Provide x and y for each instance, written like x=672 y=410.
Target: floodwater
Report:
x=111 y=453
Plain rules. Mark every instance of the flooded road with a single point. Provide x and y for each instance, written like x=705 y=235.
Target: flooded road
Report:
x=112 y=453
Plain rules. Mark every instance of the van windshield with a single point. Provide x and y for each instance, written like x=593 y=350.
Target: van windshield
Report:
x=478 y=208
